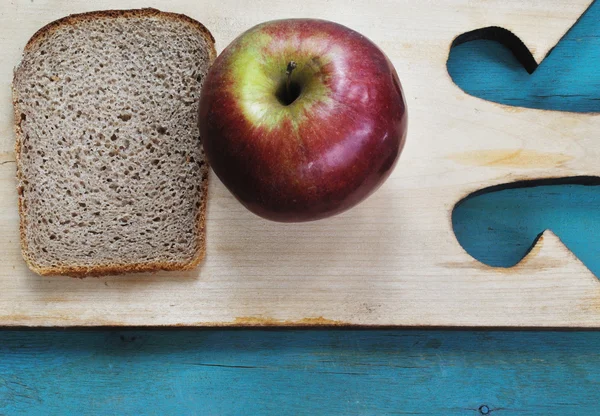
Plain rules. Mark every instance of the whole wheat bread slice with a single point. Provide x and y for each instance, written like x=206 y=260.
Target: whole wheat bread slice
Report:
x=111 y=174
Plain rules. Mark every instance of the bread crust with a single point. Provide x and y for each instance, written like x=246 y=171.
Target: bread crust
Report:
x=146 y=12
x=107 y=269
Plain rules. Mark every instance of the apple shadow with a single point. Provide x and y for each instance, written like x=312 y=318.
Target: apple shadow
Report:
x=331 y=259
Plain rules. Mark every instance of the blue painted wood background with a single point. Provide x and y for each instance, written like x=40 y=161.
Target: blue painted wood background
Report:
x=314 y=372
x=317 y=372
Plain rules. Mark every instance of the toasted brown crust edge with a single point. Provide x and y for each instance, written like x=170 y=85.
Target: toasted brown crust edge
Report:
x=146 y=12
x=107 y=269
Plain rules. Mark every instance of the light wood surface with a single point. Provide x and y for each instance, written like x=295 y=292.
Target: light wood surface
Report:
x=393 y=260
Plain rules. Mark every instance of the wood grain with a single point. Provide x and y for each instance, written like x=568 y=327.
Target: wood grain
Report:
x=394 y=259
x=337 y=372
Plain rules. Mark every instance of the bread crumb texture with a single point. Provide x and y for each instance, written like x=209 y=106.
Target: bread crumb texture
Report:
x=111 y=174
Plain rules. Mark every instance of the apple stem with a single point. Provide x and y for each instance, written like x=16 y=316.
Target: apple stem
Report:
x=290 y=68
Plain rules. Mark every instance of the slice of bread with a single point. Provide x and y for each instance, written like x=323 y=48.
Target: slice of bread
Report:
x=111 y=174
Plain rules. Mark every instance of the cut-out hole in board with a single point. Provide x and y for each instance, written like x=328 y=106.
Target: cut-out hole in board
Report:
x=493 y=64
x=498 y=226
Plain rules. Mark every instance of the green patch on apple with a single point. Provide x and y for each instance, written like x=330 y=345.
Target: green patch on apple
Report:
x=259 y=68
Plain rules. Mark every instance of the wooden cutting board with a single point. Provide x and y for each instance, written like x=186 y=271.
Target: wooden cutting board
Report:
x=394 y=259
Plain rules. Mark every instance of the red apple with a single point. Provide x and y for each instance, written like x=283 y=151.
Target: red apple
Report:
x=302 y=119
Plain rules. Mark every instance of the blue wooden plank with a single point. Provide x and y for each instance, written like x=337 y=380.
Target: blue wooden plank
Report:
x=567 y=80
x=499 y=228
x=298 y=372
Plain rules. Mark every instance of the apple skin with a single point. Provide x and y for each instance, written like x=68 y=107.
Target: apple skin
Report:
x=326 y=151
